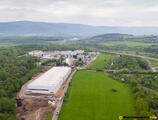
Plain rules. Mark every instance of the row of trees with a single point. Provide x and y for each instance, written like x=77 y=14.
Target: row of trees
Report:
x=129 y=63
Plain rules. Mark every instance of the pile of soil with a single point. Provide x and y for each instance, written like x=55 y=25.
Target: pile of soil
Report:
x=33 y=109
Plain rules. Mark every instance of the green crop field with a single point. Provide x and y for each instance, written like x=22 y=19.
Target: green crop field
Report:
x=101 y=62
x=126 y=43
x=94 y=96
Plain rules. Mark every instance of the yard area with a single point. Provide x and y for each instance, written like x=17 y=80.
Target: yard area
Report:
x=94 y=96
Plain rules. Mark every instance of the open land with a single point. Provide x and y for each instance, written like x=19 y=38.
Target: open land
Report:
x=94 y=96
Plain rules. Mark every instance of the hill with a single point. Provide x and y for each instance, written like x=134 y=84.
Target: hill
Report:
x=124 y=37
x=111 y=37
x=66 y=29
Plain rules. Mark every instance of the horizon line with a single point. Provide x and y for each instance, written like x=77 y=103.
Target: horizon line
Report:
x=71 y=23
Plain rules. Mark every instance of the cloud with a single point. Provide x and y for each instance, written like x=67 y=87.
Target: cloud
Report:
x=93 y=12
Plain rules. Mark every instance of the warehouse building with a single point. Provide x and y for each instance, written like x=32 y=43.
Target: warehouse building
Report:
x=49 y=82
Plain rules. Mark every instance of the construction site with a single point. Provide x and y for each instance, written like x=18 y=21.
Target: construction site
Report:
x=43 y=93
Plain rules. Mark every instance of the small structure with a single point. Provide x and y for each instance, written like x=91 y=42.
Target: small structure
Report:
x=69 y=61
x=80 y=57
x=52 y=102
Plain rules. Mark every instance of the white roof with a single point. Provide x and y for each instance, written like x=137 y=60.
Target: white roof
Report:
x=69 y=61
x=51 y=77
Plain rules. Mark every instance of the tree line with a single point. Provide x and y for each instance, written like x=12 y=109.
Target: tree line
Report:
x=14 y=72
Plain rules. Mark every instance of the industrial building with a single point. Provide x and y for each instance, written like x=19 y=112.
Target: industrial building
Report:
x=69 y=61
x=49 y=82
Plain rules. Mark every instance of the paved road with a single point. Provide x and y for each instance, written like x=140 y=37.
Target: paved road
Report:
x=59 y=105
x=153 y=69
x=147 y=60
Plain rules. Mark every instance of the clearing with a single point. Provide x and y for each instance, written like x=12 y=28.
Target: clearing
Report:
x=94 y=96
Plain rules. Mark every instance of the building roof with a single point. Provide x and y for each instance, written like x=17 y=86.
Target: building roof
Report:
x=52 y=77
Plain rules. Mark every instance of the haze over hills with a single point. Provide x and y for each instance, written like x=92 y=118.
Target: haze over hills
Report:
x=67 y=29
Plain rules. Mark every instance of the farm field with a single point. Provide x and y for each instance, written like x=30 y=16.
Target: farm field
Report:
x=94 y=96
x=101 y=62
x=126 y=43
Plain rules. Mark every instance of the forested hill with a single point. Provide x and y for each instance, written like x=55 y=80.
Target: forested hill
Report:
x=111 y=37
x=65 y=29
x=124 y=37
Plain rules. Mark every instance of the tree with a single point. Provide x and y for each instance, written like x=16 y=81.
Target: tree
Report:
x=142 y=107
x=2 y=93
x=3 y=75
x=6 y=116
x=6 y=105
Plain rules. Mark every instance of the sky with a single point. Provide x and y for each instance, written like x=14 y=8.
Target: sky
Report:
x=90 y=12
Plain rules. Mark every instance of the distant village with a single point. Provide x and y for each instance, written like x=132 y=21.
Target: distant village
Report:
x=70 y=57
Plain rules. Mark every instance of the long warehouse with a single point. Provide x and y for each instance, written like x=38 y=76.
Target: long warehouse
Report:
x=49 y=82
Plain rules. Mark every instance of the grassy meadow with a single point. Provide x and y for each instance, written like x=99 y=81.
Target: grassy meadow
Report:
x=101 y=62
x=94 y=96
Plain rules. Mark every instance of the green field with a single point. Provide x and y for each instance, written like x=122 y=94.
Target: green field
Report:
x=126 y=43
x=154 y=63
x=101 y=62
x=94 y=96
